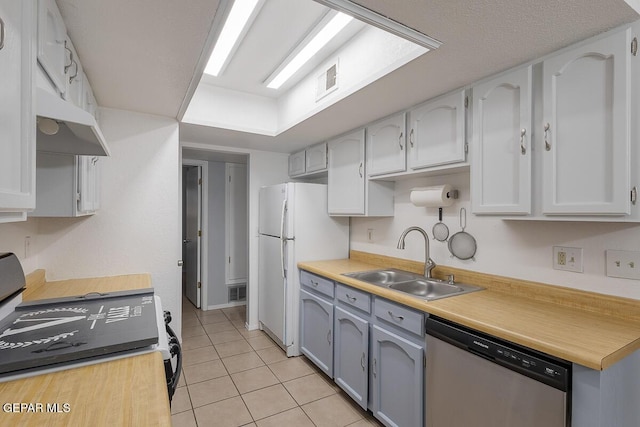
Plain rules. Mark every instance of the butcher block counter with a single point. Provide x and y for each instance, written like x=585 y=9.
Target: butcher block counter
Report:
x=126 y=392
x=589 y=329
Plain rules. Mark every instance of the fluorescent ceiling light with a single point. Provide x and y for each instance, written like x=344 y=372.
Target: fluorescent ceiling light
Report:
x=233 y=27
x=382 y=22
x=324 y=36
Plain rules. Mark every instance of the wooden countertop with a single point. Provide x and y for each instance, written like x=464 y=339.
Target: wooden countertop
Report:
x=126 y=392
x=596 y=334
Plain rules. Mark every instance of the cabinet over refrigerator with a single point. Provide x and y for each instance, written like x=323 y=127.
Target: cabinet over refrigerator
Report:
x=294 y=226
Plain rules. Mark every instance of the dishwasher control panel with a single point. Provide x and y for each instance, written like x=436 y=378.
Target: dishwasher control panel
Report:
x=536 y=365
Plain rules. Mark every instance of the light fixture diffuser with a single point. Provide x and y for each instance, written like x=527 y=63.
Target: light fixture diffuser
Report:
x=324 y=36
x=234 y=26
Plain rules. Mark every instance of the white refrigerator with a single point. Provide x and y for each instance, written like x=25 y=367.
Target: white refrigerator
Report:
x=294 y=226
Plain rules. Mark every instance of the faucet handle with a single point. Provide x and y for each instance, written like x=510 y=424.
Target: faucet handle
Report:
x=451 y=279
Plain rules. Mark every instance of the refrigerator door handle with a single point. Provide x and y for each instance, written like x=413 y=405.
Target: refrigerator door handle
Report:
x=283 y=240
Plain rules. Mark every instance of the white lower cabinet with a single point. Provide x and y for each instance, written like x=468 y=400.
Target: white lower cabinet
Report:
x=316 y=330
x=67 y=185
x=17 y=110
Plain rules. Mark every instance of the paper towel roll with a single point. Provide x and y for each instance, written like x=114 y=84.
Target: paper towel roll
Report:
x=433 y=197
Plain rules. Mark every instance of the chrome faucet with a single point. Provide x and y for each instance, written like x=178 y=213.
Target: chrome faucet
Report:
x=428 y=263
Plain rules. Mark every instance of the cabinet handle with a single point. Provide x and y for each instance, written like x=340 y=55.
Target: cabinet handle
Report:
x=71 y=78
x=393 y=316
x=351 y=299
x=547 y=146
x=411 y=138
x=400 y=141
x=315 y=283
x=329 y=336
x=375 y=371
x=523 y=145
x=362 y=361
x=360 y=169
x=1 y=34
x=67 y=66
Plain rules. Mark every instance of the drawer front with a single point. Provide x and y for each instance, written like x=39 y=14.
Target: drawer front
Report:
x=317 y=283
x=400 y=316
x=353 y=297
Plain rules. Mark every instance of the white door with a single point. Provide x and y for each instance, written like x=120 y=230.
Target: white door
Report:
x=193 y=200
x=271 y=292
x=17 y=112
x=346 y=175
x=586 y=123
x=501 y=161
x=437 y=132
x=386 y=150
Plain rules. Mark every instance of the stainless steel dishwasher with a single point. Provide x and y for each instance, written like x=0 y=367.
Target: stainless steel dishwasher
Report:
x=473 y=379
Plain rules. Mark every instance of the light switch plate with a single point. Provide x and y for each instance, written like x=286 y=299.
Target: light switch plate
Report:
x=624 y=264
x=567 y=258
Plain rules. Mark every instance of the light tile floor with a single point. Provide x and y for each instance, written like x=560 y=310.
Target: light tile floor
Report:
x=235 y=377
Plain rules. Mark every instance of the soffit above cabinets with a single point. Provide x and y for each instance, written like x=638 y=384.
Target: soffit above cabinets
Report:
x=143 y=55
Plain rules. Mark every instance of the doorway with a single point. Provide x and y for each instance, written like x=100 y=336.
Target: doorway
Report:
x=193 y=230
x=222 y=263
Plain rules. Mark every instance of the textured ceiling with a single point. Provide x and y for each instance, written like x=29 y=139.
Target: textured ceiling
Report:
x=141 y=55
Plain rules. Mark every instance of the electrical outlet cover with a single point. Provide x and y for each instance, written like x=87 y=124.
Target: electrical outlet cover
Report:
x=567 y=259
x=624 y=264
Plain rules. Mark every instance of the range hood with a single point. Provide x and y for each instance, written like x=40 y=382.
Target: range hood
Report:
x=78 y=131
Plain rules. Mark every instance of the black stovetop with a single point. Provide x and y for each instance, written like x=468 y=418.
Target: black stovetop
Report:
x=45 y=333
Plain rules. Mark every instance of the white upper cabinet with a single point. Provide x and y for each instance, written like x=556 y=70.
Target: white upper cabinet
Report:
x=17 y=117
x=437 y=132
x=52 y=50
x=346 y=177
x=349 y=192
x=501 y=148
x=386 y=146
x=316 y=158
x=75 y=77
x=297 y=163
x=585 y=129
x=88 y=184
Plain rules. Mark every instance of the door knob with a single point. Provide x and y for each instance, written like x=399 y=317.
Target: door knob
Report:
x=186 y=241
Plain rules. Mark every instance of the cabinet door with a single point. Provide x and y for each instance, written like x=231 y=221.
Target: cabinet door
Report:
x=236 y=223
x=88 y=184
x=75 y=77
x=397 y=378
x=52 y=34
x=316 y=157
x=501 y=161
x=89 y=103
x=586 y=129
x=17 y=113
x=386 y=146
x=351 y=353
x=296 y=163
x=316 y=331
x=346 y=181
x=437 y=134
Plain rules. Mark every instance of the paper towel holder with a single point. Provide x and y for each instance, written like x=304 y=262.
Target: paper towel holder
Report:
x=441 y=195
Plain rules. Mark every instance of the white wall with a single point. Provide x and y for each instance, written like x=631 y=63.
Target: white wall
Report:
x=12 y=239
x=521 y=249
x=137 y=229
x=264 y=168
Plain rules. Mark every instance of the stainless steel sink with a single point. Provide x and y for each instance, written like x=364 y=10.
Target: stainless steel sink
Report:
x=413 y=284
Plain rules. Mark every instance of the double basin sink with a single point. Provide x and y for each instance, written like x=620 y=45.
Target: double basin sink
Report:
x=413 y=284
